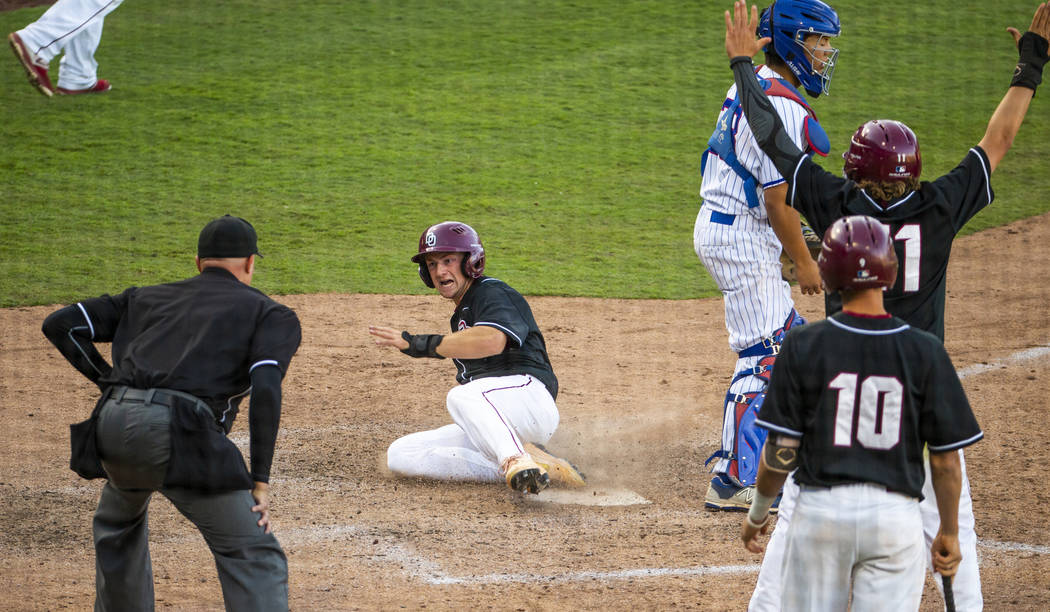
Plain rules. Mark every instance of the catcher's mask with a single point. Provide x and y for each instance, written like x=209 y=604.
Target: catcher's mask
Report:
x=451 y=237
x=788 y=22
x=857 y=253
x=882 y=150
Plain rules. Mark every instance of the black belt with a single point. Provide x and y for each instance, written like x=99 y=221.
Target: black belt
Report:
x=164 y=397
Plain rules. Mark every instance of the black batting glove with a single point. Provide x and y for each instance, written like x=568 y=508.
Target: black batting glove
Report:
x=422 y=345
x=1032 y=51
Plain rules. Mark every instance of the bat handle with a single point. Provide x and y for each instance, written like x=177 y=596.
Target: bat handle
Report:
x=949 y=596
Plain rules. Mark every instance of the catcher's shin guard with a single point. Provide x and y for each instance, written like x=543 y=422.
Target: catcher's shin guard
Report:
x=747 y=442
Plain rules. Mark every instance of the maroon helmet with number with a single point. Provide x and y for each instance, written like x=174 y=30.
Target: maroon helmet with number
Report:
x=857 y=253
x=451 y=237
x=883 y=150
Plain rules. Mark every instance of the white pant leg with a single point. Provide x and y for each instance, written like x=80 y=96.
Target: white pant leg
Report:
x=62 y=24
x=966 y=586
x=766 y=597
x=501 y=413
x=859 y=535
x=445 y=453
x=888 y=575
x=744 y=261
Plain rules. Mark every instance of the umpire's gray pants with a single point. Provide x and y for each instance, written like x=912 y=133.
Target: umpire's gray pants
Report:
x=134 y=443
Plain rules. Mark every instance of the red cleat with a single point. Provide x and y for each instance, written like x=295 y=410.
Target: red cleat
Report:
x=100 y=86
x=36 y=71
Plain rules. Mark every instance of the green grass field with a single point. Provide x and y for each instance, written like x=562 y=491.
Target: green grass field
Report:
x=568 y=133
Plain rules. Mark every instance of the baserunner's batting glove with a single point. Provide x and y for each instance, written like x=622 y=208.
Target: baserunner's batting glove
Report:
x=422 y=345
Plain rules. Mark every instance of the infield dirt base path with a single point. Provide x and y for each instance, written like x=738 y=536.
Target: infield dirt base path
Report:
x=642 y=385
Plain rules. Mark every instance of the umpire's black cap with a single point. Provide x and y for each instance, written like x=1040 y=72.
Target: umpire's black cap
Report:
x=227 y=236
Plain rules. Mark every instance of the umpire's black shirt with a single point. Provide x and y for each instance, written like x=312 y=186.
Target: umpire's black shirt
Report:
x=203 y=336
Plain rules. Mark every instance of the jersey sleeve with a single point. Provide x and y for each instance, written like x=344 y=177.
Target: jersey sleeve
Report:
x=102 y=314
x=754 y=159
x=967 y=187
x=780 y=411
x=816 y=193
x=276 y=338
x=947 y=421
x=497 y=309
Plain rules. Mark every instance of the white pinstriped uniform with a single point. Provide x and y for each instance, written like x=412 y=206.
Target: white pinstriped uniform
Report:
x=743 y=257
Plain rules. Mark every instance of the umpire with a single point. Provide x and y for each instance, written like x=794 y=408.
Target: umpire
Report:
x=184 y=355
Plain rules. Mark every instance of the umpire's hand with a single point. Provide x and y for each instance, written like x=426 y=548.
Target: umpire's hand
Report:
x=261 y=493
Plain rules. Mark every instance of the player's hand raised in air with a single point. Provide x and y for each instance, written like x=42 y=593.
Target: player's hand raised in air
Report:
x=1040 y=24
x=740 y=31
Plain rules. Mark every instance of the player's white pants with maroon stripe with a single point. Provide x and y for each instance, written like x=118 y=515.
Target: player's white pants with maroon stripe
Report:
x=73 y=26
x=493 y=418
x=966 y=586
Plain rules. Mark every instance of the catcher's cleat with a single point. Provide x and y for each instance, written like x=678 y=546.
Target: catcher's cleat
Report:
x=560 y=471
x=722 y=494
x=35 y=69
x=525 y=475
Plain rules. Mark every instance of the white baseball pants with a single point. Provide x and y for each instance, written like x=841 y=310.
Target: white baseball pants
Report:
x=854 y=539
x=75 y=27
x=492 y=419
x=967 y=583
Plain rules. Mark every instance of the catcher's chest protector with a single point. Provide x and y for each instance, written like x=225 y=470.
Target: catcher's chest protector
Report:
x=723 y=140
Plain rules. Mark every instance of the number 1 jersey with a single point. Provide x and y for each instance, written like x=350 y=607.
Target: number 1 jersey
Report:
x=922 y=223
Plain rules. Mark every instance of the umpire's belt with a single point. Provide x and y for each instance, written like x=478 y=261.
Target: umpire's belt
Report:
x=722 y=218
x=164 y=397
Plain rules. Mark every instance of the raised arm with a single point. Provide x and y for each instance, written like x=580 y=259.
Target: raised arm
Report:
x=765 y=124
x=1007 y=118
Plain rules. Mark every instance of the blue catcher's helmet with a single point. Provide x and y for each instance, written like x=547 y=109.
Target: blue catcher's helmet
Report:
x=787 y=22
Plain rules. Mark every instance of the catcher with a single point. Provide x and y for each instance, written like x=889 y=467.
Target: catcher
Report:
x=503 y=411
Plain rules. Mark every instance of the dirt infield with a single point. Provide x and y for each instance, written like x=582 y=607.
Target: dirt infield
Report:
x=642 y=382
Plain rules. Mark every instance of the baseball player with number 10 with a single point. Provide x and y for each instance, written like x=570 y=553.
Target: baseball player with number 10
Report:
x=882 y=169
x=852 y=402
x=503 y=411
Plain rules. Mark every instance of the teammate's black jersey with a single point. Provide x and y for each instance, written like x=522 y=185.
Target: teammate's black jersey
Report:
x=865 y=394
x=494 y=303
x=923 y=224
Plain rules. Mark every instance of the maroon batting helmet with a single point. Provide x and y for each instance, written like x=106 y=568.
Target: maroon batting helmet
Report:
x=857 y=253
x=883 y=150
x=451 y=237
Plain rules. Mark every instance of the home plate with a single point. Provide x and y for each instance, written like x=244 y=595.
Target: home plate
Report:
x=588 y=497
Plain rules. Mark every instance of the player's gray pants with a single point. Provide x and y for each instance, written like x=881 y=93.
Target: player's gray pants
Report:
x=133 y=439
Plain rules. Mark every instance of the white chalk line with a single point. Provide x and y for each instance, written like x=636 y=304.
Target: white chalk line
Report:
x=381 y=550
x=1018 y=357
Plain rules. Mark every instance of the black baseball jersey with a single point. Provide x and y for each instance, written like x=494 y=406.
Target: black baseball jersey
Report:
x=923 y=225
x=494 y=303
x=865 y=394
x=202 y=336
